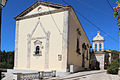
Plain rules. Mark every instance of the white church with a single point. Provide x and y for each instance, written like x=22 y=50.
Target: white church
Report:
x=50 y=37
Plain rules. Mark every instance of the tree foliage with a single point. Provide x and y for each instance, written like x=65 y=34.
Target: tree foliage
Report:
x=7 y=59
x=118 y=1
x=117 y=14
x=113 y=67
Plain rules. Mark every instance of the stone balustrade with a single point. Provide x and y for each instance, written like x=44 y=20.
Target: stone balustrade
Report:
x=35 y=76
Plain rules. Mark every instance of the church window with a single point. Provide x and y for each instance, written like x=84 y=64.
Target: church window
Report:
x=87 y=45
x=39 y=9
x=78 y=31
x=38 y=45
x=37 y=51
x=87 y=55
x=78 y=47
x=84 y=46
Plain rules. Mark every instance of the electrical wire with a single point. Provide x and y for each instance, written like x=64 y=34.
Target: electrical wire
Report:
x=94 y=25
x=65 y=2
x=91 y=22
x=110 y=4
x=92 y=7
x=54 y=21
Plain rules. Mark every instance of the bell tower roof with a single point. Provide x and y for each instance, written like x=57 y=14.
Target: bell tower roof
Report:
x=98 y=37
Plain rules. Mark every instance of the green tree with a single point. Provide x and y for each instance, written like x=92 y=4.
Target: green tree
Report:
x=7 y=59
x=117 y=14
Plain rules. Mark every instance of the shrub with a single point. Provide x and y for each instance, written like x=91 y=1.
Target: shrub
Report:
x=4 y=65
x=6 y=60
x=113 y=67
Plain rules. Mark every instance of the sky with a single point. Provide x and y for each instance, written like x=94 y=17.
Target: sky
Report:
x=96 y=11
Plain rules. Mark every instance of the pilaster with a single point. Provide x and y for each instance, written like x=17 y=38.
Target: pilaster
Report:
x=28 y=50
x=102 y=46
x=94 y=46
x=65 y=41
x=98 y=46
x=16 y=44
x=47 y=51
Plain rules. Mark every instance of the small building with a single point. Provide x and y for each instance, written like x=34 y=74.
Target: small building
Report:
x=50 y=37
x=100 y=57
x=98 y=48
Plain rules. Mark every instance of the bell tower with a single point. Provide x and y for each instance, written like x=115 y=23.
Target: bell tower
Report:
x=98 y=42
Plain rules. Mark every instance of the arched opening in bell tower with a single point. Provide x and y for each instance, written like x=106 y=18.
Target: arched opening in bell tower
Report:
x=100 y=47
x=95 y=47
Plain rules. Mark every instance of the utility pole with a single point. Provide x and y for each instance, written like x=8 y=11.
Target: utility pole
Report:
x=117 y=14
x=2 y=4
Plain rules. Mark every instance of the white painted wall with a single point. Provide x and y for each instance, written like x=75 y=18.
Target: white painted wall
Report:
x=26 y=26
x=100 y=59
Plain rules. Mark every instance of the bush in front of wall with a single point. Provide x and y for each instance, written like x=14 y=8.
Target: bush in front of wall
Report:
x=113 y=67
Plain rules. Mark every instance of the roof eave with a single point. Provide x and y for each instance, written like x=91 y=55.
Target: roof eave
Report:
x=36 y=4
x=80 y=24
x=97 y=40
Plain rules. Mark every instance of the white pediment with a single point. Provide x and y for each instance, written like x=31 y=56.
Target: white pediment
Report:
x=98 y=37
x=40 y=9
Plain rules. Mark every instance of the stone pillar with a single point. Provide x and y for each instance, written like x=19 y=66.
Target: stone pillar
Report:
x=19 y=76
x=93 y=46
x=98 y=46
x=53 y=73
x=102 y=46
x=41 y=75
x=16 y=44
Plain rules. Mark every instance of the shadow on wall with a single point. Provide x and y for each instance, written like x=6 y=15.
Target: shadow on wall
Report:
x=95 y=65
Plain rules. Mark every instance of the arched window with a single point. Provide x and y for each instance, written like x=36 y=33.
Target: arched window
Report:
x=100 y=46
x=83 y=45
x=95 y=47
x=78 y=47
x=37 y=45
x=87 y=55
x=37 y=51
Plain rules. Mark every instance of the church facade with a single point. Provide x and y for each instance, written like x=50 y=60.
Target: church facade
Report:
x=50 y=37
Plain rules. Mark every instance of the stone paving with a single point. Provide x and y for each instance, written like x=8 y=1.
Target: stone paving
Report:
x=88 y=75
